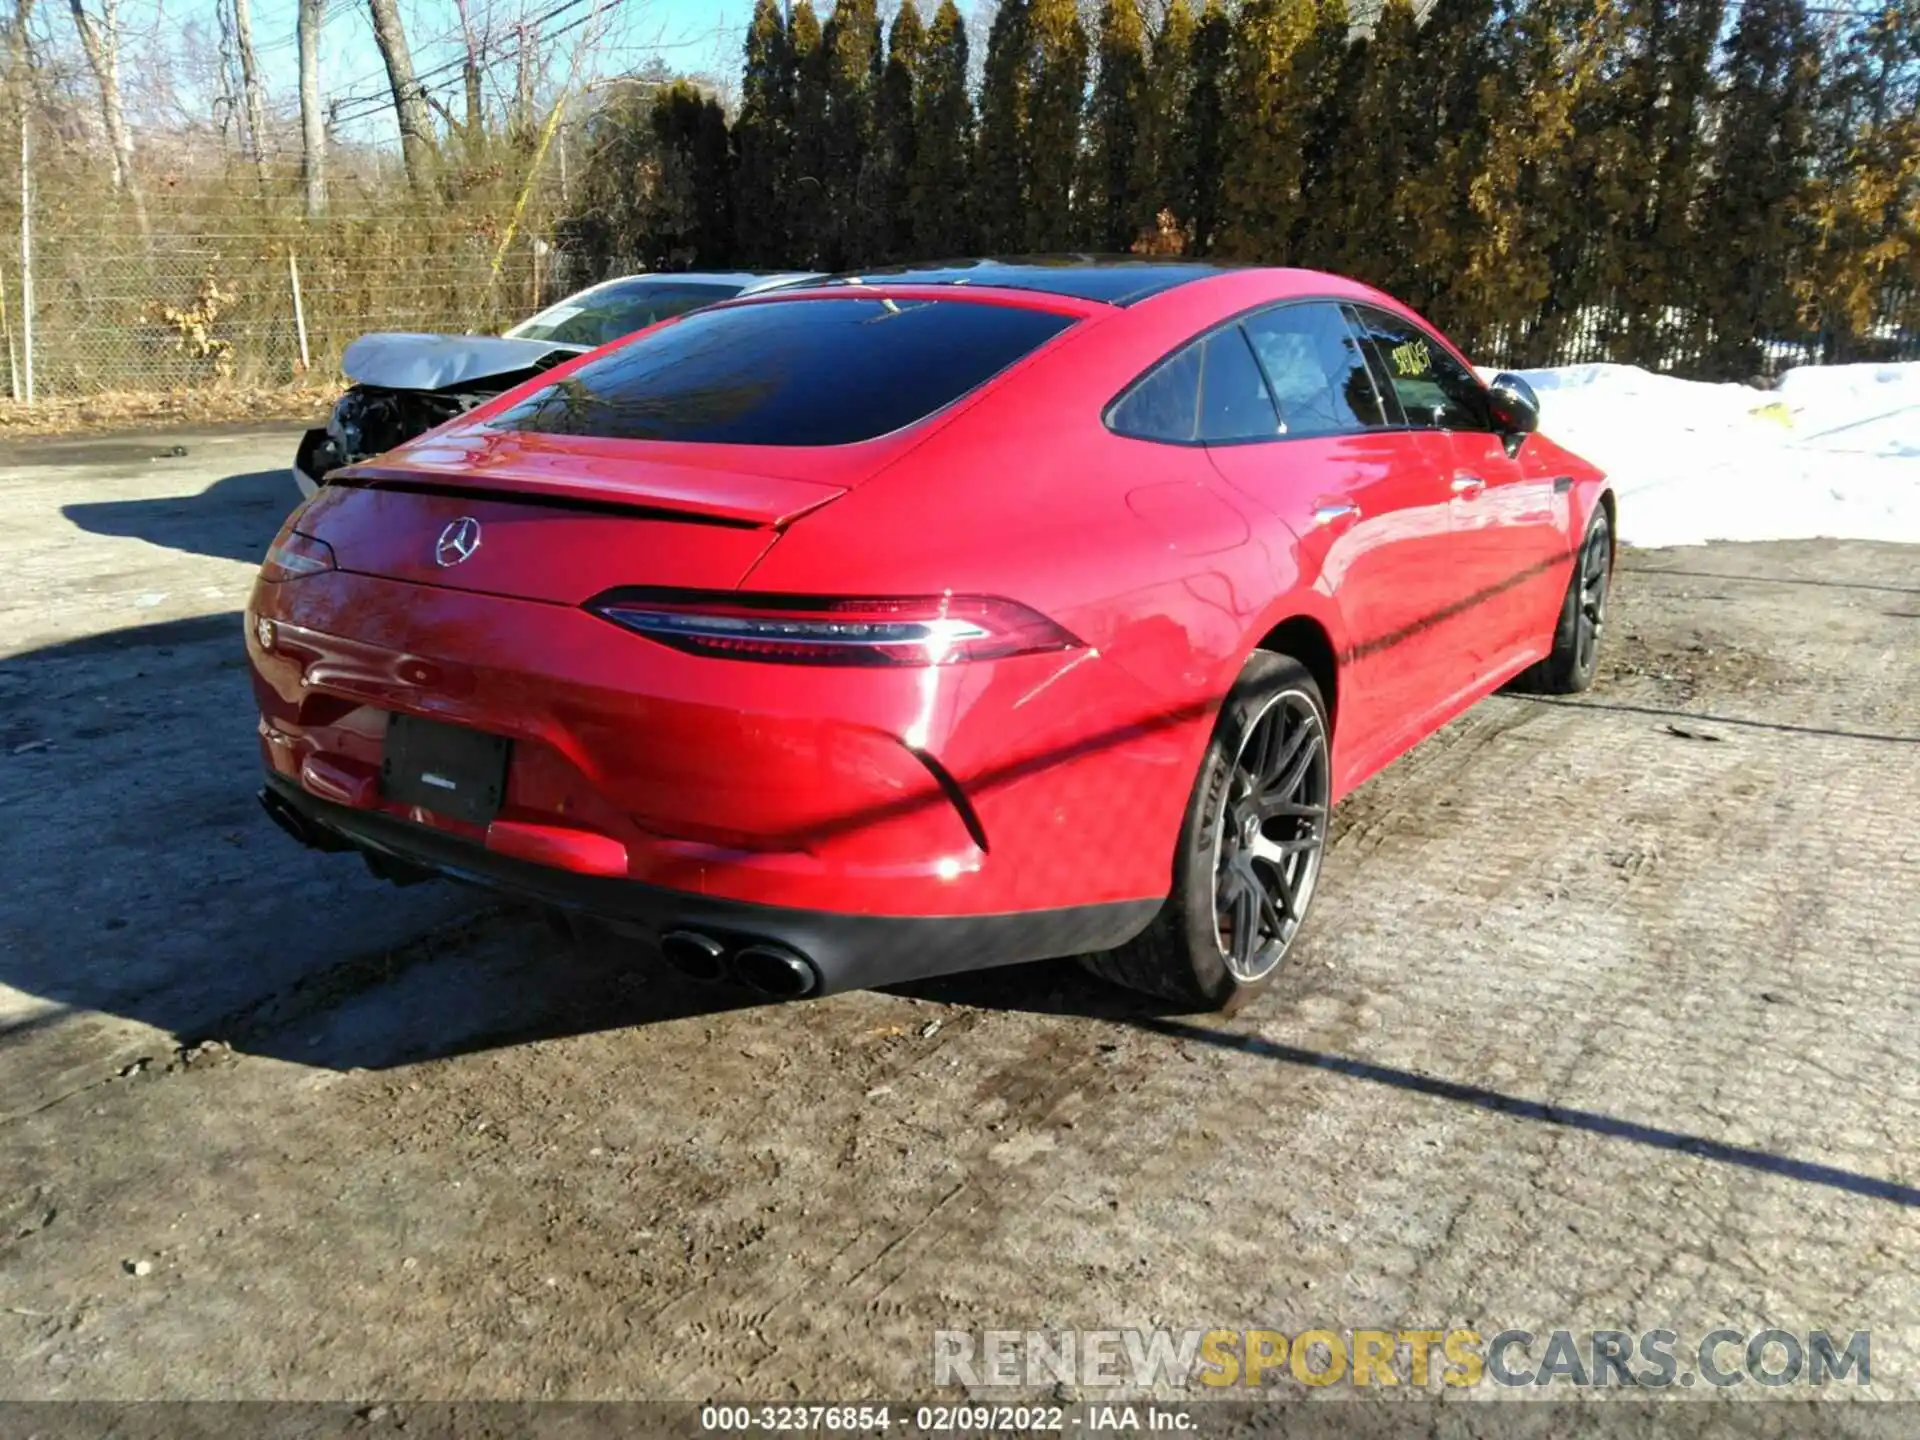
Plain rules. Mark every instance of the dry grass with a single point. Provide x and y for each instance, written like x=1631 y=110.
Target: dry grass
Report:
x=127 y=410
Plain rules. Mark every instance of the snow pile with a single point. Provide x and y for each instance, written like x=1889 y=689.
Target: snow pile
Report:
x=1832 y=451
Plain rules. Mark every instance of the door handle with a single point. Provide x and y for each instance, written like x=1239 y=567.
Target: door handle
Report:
x=1468 y=486
x=1343 y=510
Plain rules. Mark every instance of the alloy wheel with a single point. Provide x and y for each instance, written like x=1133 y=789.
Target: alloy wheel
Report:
x=1591 y=618
x=1269 y=838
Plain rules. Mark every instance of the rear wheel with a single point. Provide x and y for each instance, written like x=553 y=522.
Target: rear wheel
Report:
x=1569 y=666
x=1249 y=850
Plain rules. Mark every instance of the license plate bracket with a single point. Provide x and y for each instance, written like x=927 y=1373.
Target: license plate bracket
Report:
x=448 y=769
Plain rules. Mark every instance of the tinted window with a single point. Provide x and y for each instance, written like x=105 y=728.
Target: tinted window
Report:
x=794 y=372
x=1316 y=371
x=596 y=318
x=1211 y=390
x=1166 y=404
x=1234 y=403
x=1435 y=390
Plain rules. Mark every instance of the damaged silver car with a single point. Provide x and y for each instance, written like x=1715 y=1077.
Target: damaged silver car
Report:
x=404 y=385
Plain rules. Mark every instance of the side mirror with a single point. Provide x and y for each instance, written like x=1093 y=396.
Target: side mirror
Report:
x=1516 y=409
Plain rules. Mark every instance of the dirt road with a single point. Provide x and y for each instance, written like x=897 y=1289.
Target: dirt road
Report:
x=1605 y=1019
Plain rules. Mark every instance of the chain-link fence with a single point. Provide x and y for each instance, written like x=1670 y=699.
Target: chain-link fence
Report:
x=124 y=313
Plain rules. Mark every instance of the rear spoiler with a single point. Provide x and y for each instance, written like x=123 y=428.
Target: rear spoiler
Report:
x=634 y=487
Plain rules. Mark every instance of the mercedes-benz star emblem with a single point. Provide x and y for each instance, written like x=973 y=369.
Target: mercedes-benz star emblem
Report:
x=458 y=541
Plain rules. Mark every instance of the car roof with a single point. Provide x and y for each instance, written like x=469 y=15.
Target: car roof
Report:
x=1109 y=279
x=747 y=281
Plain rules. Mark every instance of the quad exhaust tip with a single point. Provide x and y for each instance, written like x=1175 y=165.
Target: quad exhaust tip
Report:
x=700 y=957
x=768 y=968
x=775 y=970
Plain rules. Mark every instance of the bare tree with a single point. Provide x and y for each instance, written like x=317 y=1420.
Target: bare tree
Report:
x=313 y=125
x=470 y=74
x=250 y=84
x=526 y=74
x=100 y=39
x=409 y=101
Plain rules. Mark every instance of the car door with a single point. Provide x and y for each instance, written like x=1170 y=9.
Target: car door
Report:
x=1365 y=498
x=1503 y=535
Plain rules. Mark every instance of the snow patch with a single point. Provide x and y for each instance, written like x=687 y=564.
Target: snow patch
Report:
x=1833 y=451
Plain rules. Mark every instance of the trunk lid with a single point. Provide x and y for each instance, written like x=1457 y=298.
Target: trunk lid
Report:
x=556 y=522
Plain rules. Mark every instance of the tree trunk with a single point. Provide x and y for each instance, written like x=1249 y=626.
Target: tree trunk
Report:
x=475 y=126
x=100 y=39
x=313 y=128
x=409 y=101
x=523 y=82
x=250 y=85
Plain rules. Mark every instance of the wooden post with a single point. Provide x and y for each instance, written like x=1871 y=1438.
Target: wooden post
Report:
x=299 y=310
x=13 y=357
x=26 y=253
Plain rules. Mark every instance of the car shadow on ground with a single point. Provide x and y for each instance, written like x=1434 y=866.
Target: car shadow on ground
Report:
x=150 y=886
x=232 y=519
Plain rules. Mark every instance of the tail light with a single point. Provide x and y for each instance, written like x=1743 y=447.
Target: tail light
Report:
x=821 y=630
x=293 y=555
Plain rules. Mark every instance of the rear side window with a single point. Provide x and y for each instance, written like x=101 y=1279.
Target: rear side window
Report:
x=1435 y=390
x=795 y=372
x=1209 y=391
x=1316 y=370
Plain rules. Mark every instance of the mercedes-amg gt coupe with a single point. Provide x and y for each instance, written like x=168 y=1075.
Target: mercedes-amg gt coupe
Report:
x=928 y=620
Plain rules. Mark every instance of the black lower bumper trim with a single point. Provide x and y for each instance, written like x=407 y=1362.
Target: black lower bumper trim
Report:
x=851 y=952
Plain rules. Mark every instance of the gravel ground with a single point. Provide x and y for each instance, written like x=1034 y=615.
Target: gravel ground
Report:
x=1604 y=1020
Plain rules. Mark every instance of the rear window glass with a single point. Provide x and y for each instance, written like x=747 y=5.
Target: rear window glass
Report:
x=799 y=372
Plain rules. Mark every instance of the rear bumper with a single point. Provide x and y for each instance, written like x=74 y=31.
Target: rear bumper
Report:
x=1014 y=786
x=848 y=952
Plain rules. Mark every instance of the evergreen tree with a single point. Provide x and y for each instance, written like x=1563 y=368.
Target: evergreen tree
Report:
x=1266 y=127
x=1326 y=74
x=1052 y=144
x=1112 y=194
x=1000 y=185
x=1371 y=208
x=1166 y=161
x=763 y=140
x=943 y=141
x=853 y=180
x=1206 y=124
x=1449 y=136
x=810 y=226
x=896 y=126
x=1647 y=132
x=1759 y=198
x=694 y=225
x=1865 y=203
x=1524 y=244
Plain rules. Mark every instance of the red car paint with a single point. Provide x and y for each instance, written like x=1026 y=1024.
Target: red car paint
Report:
x=1025 y=784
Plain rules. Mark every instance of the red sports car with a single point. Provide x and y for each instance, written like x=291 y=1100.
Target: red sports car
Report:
x=928 y=620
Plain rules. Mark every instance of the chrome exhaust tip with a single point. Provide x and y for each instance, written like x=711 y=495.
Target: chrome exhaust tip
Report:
x=775 y=970
x=699 y=957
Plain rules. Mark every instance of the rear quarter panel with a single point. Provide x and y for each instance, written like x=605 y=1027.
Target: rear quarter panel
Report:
x=1167 y=573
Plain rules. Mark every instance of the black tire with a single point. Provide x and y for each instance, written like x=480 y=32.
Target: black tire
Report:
x=1569 y=667
x=1233 y=862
